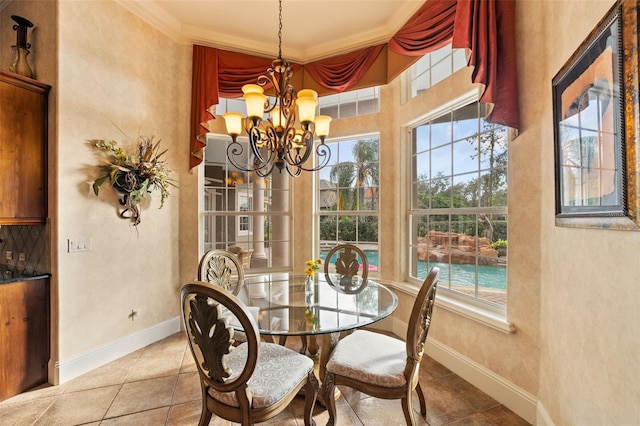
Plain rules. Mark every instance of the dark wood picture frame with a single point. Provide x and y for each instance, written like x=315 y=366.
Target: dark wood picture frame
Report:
x=596 y=120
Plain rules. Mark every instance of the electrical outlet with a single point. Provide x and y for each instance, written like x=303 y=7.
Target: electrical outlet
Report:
x=9 y=255
x=21 y=257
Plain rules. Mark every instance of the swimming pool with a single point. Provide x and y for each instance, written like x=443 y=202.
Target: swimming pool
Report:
x=488 y=276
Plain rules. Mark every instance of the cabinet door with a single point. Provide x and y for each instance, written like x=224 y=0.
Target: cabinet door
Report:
x=23 y=159
x=24 y=333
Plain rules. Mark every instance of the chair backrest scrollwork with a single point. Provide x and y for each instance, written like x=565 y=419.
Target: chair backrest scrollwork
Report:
x=352 y=274
x=222 y=268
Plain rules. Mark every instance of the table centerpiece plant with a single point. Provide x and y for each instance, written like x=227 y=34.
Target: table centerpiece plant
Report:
x=134 y=176
x=311 y=267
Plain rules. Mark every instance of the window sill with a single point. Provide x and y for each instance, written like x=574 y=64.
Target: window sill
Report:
x=476 y=312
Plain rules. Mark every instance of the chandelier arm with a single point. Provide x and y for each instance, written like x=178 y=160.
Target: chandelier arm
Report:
x=234 y=150
x=295 y=174
x=255 y=137
x=324 y=155
x=307 y=141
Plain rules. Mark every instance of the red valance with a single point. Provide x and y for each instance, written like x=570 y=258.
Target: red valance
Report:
x=204 y=93
x=341 y=73
x=237 y=69
x=485 y=27
x=430 y=28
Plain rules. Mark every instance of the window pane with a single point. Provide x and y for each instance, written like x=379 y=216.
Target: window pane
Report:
x=434 y=67
x=351 y=103
x=465 y=190
x=440 y=192
x=331 y=111
x=235 y=207
x=329 y=228
x=368 y=198
x=352 y=187
x=348 y=109
x=441 y=131
x=422 y=194
x=420 y=84
x=468 y=178
x=368 y=106
x=422 y=65
x=440 y=54
x=459 y=59
x=466 y=122
x=421 y=137
x=422 y=165
x=440 y=71
x=441 y=161
x=368 y=229
x=465 y=157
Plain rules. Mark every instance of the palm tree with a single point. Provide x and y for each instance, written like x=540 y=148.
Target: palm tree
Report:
x=366 y=152
x=343 y=174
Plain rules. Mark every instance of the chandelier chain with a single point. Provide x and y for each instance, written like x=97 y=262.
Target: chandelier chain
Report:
x=280 y=29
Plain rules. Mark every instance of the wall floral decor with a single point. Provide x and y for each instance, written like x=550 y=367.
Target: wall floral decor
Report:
x=136 y=175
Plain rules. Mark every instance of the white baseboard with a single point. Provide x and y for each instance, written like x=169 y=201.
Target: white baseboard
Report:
x=67 y=370
x=508 y=394
x=543 y=418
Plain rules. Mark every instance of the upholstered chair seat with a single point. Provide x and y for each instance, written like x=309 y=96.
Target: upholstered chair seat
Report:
x=278 y=371
x=383 y=366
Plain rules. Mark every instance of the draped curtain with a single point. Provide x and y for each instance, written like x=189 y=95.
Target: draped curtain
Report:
x=485 y=27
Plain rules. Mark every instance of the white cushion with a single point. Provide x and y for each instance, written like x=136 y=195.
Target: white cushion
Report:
x=370 y=357
x=278 y=370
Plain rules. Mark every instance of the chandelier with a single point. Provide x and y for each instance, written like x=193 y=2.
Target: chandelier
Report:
x=285 y=139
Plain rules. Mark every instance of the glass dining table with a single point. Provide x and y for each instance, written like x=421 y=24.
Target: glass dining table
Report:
x=320 y=306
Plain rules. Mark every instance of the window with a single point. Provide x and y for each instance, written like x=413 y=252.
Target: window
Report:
x=458 y=212
x=435 y=67
x=349 y=104
x=348 y=196
x=340 y=105
x=245 y=204
x=243 y=212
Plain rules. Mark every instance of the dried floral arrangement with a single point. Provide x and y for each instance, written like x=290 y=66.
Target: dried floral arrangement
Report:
x=136 y=175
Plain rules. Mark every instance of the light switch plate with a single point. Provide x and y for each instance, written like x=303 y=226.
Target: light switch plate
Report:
x=79 y=244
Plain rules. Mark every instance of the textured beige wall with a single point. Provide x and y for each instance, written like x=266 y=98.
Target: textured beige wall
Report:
x=590 y=347
x=116 y=75
x=572 y=293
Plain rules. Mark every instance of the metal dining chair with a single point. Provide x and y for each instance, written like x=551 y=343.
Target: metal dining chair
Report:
x=383 y=366
x=351 y=267
x=249 y=383
x=222 y=268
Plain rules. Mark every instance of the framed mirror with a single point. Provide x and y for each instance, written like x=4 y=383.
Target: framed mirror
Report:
x=595 y=111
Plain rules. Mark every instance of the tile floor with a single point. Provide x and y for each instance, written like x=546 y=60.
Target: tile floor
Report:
x=158 y=385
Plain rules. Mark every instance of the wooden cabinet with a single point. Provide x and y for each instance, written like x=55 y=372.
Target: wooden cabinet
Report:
x=24 y=333
x=23 y=149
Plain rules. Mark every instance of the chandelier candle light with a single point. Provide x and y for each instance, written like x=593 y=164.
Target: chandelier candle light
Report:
x=285 y=139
